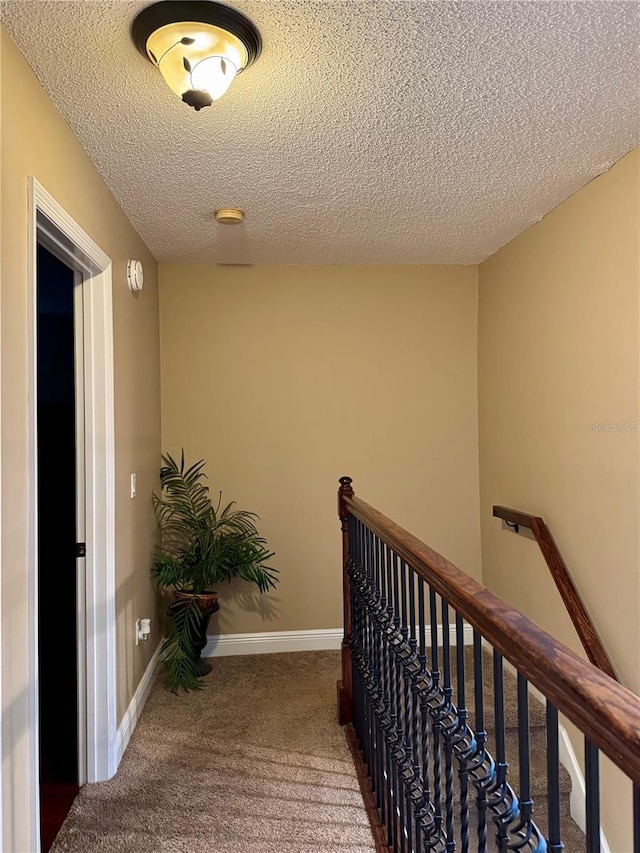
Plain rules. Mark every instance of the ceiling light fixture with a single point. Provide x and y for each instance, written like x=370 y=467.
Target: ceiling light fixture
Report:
x=197 y=45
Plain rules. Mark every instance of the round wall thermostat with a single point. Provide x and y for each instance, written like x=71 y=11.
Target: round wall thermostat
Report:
x=135 y=277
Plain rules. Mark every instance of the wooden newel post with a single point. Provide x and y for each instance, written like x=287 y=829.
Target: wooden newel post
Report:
x=345 y=696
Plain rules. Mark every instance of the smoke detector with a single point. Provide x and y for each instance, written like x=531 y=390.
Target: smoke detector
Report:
x=135 y=276
x=229 y=216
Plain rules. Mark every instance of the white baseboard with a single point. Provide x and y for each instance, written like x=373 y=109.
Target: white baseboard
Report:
x=272 y=641
x=132 y=714
x=321 y=639
x=467 y=635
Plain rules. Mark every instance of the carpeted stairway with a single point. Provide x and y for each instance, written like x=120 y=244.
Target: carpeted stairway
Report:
x=255 y=763
x=572 y=836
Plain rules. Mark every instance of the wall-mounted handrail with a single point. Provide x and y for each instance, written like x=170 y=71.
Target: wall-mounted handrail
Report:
x=606 y=712
x=578 y=613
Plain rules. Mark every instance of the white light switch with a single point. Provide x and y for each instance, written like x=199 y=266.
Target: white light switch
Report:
x=133 y=485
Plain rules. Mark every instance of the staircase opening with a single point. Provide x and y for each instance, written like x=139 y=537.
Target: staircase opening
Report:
x=454 y=749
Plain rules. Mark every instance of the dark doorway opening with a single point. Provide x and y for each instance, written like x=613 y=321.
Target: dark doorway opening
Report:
x=57 y=525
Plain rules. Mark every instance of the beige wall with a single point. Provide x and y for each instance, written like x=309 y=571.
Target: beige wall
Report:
x=559 y=346
x=36 y=141
x=284 y=378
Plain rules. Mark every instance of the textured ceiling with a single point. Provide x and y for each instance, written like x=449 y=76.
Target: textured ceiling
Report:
x=367 y=132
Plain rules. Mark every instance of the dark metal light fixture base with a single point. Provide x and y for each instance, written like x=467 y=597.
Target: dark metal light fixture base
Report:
x=166 y=12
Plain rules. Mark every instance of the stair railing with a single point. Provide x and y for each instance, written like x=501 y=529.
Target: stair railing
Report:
x=591 y=642
x=433 y=779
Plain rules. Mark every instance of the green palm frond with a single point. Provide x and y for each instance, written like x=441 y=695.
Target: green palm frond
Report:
x=186 y=621
x=180 y=664
x=202 y=545
x=185 y=506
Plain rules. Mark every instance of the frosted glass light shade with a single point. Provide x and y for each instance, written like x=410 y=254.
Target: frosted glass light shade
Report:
x=214 y=75
x=197 y=45
x=196 y=57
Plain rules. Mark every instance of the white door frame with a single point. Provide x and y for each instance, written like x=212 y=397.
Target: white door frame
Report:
x=50 y=225
x=81 y=528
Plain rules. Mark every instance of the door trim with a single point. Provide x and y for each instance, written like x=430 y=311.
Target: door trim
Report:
x=50 y=225
x=81 y=527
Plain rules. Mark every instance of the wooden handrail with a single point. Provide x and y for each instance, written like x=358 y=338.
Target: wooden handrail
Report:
x=606 y=712
x=591 y=642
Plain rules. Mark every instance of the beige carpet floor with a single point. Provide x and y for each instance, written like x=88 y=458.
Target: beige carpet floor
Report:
x=255 y=763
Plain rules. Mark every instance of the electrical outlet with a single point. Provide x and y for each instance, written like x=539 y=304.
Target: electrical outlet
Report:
x=133 y=486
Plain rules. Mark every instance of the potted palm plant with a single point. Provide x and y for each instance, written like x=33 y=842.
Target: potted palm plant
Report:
x=202 y=544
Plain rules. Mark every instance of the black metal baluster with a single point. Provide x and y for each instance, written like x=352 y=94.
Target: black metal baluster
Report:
x=422 y=626
x=378 y=750
x=462 y=719
x=388 y=614
x=415 y=726
x=524 y=750
x=364 y=729
x=524 y=757
x=435 y=728
x=406 y=727
x=553 y=780
x=592 y=782
x=353 y=537
x=424 y=701
x=395 y=717
x=354 y=607
x=383 y=686
x=372 y=669
x=363 y=628
x=448 y=753
x=355 y=630
x=354 y=541
x=370 y=644
x=389 y=814
x=411 y=616
x=481 y=735
x=636 y=819
x=366 y=534
x=501 y=751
